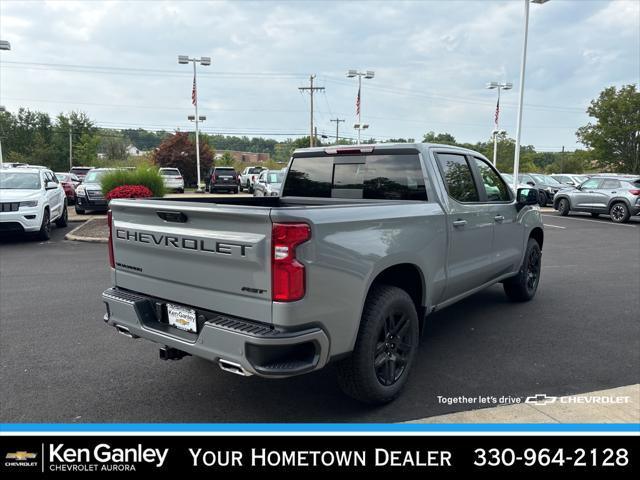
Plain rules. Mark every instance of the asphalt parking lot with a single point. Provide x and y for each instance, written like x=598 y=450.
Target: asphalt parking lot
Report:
x=60 y=363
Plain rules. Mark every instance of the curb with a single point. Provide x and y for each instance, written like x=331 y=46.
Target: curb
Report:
x=80 y=238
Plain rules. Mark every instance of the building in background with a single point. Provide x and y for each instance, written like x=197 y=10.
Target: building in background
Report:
x=244 y=157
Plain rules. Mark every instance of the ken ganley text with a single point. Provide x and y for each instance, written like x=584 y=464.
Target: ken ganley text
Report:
x=262 y=457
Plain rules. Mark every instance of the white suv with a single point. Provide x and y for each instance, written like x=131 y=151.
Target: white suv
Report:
x=172 y=178
x=30 y=199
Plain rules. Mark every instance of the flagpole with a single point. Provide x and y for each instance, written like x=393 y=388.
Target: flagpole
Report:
x=195 y=90
x=495 y=131
x=359 y=107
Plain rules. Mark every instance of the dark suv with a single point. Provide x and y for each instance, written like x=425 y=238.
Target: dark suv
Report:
x=222 y=178
x=547 y=187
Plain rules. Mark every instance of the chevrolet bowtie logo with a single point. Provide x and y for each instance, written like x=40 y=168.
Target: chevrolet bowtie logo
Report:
x=21 y=456
x=540 y=399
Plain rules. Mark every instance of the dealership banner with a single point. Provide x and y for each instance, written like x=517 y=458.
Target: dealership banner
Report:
x=52 y=456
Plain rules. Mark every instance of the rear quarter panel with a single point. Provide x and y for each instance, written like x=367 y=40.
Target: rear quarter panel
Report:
x=350 y=246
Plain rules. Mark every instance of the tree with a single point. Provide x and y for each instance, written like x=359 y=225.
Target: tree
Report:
x=179 y=151
x=114 y=146
x=85 y=151
x=445 y=138
x=226 y=160
x=615 y=136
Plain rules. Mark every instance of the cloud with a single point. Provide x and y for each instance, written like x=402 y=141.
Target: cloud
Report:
x=432 y=60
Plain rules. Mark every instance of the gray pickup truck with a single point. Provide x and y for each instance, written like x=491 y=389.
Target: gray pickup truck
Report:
x=363 y=244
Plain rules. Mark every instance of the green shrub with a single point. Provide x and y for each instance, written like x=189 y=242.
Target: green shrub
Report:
x=143 y=175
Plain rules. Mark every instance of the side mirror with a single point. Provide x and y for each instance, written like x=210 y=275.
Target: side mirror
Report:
x=526 y=196
x=49 y=185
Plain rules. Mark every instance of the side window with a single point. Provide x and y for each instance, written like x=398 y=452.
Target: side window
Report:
x=527 y=179
x=457 y=177
x=309 y=177
x=494 y=186
x=593 y=183
x=607 y=184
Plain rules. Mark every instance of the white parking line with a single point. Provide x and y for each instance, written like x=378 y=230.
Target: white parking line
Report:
x=554 y=226
x=589 y=220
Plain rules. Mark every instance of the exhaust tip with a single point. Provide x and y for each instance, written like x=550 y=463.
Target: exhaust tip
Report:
x=125 y=331
x=233 y=367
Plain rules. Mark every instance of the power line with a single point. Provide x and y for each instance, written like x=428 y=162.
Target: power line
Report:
x=390 y=89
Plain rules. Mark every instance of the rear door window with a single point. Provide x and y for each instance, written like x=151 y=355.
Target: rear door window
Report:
x=383 y=177
x=607 y=184
x=457 y=177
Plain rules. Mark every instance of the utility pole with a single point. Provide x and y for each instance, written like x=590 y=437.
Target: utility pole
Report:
x=70 y=150
x=337 y=120
x=311 y=89
x=562 y=161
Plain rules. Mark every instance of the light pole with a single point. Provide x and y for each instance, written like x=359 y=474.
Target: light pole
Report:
x=2 y=109
x=496 y=129
x=368 y=75
x=4 y=45
x=204 y=61
x=523 y=63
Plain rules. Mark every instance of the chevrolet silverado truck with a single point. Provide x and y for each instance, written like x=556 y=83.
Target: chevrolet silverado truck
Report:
x=345 y=266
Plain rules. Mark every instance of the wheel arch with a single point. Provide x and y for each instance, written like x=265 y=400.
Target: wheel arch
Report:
x=408 y=277
x=615 y=200
x=538 y=235
x=557 y=198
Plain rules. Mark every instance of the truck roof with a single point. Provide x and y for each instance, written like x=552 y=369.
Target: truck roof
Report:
x=387 y=146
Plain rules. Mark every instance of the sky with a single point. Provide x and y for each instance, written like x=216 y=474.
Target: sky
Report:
x=117 y=61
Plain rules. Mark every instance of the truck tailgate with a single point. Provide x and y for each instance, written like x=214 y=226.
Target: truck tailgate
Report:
x=215 y=257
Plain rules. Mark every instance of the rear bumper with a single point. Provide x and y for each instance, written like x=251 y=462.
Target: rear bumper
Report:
x=259 y=348
x=225 y=186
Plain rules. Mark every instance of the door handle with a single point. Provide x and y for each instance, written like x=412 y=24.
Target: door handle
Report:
x=499 y=218
x=459 y=223
x=614 y=192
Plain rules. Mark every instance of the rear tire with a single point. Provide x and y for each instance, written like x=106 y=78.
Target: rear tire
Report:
x=619 y=212
x=385 y=348
x=62 y=221
x=563 y=207
x=45 y=229
x=523 y=286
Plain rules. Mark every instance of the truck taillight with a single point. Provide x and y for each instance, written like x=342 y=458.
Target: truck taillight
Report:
x=287 y=273
x=112 y=261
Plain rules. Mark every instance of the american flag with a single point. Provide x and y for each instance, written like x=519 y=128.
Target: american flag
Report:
x=358 y=103
x=495 y=118
x=194 y=92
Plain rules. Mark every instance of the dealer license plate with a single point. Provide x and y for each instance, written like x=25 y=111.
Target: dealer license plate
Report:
x=182 y=318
